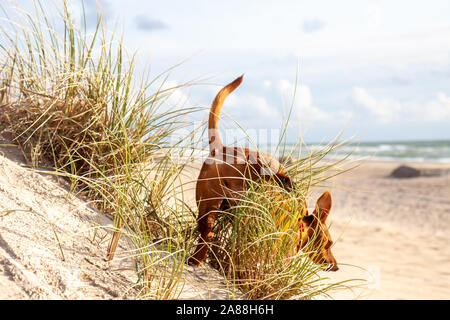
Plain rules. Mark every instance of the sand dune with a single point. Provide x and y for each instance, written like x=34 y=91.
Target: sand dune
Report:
x=53 y=245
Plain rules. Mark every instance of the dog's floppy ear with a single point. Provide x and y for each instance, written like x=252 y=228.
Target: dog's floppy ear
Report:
x=323 y=206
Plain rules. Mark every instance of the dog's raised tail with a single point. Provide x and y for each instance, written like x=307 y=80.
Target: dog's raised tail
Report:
x=213 y=132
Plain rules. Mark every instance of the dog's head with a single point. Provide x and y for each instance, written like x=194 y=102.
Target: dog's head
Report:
x=315 y=237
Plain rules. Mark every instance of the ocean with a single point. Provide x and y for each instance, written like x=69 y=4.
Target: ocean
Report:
x=405 y=151
x=408 y=151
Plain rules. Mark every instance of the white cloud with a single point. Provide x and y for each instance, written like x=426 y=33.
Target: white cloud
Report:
x=251 y=104
x=374 y=17
x=387 y=110
x=173 y=95
x=438 y=109
x=253 y=112
x=303 y=103
x=260 y=104
x=267 y=83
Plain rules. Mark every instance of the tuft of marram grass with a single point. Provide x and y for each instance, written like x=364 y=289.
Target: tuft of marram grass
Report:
x=73 y=101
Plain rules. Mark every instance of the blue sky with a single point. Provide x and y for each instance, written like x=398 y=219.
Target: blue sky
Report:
x=379 y=69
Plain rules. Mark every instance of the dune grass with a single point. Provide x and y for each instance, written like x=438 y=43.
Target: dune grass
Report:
x=74 y=102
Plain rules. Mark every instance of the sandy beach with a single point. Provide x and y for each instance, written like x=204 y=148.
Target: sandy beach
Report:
x=396 y=229
x=391 y=233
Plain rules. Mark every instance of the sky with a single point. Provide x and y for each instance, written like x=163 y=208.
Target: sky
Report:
x=379 y=70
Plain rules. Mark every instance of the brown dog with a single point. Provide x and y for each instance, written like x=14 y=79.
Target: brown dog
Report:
x=223 y=177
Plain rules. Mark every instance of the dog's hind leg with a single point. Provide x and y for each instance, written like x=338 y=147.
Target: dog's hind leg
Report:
x=207 y=213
